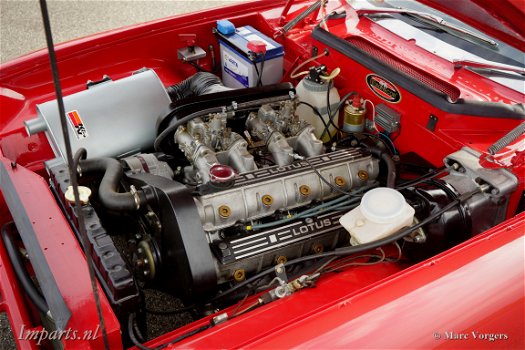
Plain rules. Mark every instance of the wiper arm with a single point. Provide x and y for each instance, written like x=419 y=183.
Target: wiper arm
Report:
x=299 y=18
x=488 y=66
x=428 y=18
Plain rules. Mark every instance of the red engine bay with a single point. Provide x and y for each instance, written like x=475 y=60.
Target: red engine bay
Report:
x=338 y=186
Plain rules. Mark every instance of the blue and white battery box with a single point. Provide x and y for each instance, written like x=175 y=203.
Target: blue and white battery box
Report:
x=238 y=71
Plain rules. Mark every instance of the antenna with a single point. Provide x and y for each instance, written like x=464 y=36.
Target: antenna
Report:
x=72 y=172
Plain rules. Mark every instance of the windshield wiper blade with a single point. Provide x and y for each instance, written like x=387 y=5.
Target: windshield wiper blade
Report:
x=428 y=18
x=488 y=66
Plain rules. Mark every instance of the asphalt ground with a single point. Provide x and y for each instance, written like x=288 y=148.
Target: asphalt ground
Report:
x=21 y=29
x=21 y=32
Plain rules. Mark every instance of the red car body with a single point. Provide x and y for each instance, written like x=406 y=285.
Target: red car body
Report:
x=471 y=296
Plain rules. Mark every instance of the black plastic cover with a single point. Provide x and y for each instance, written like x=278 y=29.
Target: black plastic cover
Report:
x=187 y=268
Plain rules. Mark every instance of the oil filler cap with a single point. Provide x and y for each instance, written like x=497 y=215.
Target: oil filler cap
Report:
x=83 y=192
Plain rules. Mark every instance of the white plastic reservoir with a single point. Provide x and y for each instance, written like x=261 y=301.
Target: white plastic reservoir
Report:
x=315 y=94
x=382 y=212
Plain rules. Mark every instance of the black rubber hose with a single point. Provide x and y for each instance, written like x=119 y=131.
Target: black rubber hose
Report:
x=198 y=84
x=134 y=340
x=108 y=189
x=390 y=166
x=318 y=114
x=170 y=130
x=132 y=335
x=391 y=169
x=345 y=251
x=21 y=273
x=80 y=154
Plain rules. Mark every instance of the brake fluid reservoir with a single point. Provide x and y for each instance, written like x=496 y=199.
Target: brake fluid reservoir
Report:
x=382 y=212
x=314 y=93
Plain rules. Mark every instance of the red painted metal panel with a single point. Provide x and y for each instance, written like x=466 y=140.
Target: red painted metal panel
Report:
x=474 y=287
x=477 y=286
x=64 y=257
x=12 y=300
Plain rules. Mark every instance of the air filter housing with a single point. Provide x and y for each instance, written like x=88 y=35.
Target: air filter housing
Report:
x=109 y=119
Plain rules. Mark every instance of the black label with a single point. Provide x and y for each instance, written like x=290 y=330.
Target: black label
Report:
x=383 y=88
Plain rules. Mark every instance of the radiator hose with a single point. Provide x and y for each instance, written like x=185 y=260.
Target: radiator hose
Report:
x=108 y=189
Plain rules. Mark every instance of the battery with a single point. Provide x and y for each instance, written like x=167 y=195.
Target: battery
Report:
x=239 y=66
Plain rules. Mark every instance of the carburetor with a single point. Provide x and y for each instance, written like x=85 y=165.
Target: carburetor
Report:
x=274 y=128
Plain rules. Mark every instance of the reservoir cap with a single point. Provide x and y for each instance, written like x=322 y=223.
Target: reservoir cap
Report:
x=225 y=27
x=383 y=205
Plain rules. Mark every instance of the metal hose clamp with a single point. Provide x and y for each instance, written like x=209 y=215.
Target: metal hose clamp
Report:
x=135 y=195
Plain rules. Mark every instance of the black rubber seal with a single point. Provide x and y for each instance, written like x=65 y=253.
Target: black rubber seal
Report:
x=414 y=86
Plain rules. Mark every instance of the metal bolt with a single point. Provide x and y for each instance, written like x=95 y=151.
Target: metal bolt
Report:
x=239 y=275
x=224 y=211
x=223 y=246
x=267 y=200
x=304 y=190
x=281 y=259
x=362 y=174
x=280 y=292
x=340 y=181
x=317 y=248
x=419 y=239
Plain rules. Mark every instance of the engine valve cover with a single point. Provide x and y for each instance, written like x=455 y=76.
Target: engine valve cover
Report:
x=262 y=192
